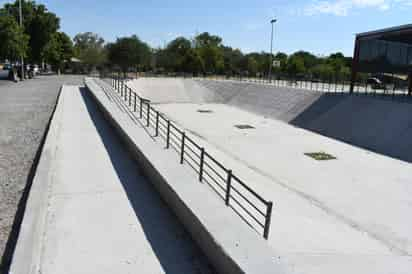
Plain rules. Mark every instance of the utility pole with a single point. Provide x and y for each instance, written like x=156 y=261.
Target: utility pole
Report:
x=273 y=21
x=21 y=57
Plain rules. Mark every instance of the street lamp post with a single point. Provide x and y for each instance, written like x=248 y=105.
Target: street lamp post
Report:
x=273 y=21
x=21 y=57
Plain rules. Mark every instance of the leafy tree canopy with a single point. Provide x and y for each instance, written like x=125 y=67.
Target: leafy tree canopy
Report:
x=129 y=52
x=14 y=43
x=89 y=48
x=39 y=25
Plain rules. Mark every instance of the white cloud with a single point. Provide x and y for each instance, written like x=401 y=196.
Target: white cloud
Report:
x=343 y=7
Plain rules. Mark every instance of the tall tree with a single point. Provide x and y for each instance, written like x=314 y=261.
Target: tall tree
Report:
x=13 y=41
x=58 y=50
x=210 y=49
x=39 y=24
x=129 y=52
x=89 y=48
x=177 y=52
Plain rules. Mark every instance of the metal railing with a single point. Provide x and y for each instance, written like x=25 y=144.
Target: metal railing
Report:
x=332 y=85
x=249 y=205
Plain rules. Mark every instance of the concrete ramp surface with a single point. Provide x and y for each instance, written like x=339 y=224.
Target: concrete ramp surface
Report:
x=347 y=215
x=99 y=214
x=380 y=124
x=172 y=90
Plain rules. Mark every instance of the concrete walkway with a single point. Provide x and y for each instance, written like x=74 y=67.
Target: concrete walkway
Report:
x=25 y=109
x=103 y=216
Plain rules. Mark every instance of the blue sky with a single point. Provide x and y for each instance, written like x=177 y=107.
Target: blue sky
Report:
x=321 y=27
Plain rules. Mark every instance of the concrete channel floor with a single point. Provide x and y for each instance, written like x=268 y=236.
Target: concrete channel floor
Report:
x=25 y=109
x=355 y=208
x=103 y=216
x=349 y=215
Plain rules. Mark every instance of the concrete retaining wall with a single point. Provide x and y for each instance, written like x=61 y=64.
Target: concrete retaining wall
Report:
x=230 y=245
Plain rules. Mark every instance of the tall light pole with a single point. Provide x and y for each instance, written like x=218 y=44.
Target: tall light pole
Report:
x=21 y=25
x=272 y=22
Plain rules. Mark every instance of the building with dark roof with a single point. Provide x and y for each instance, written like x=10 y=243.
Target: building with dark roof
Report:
x=385 y=51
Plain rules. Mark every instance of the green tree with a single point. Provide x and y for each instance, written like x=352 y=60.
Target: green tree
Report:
x=89 y=48
x=252 y=66
x=209 y=47
x=322 y=71
x=129 y=52
x=232 y=60
x=58 y=50
x=309 y=60
x=295 y=65
x=13 y=41
x=177 y=52
x=193 y=62
x=39 y=25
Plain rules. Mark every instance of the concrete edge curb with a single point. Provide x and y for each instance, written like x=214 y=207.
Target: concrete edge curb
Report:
x=27 y=253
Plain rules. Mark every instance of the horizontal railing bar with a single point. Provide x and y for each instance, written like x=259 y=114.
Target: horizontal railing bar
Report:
x=247 y=211
x=214 y=180
x=191 y=150
x=250 y=190
x=249 y=202
x=215 y=161
x=193 y=159
x=214 y=188
x=173 y=126
x=214 y=171
x=191 y=141
x=191 y=165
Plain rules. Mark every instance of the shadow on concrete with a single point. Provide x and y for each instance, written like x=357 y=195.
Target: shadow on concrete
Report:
x=172 y=245
x=382 y=124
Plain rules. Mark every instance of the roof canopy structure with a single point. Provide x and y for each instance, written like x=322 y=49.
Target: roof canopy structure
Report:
x=384 y=51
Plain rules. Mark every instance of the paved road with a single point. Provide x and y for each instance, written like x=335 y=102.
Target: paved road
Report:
x=3 y=77
x=25 y=109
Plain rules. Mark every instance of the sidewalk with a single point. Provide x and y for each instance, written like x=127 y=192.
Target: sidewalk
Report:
x=25 y=109
x=103 y=217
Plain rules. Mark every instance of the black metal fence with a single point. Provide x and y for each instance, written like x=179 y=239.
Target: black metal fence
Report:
x=249 y=205
x=329 y=85
x=332 y=85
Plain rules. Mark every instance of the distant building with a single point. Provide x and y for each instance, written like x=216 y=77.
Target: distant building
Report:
x=386 y=51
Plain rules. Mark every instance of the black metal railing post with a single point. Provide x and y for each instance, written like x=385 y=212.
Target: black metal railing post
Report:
x=182 y=148
x=157 y=124
x=130 y=96
x=134 y=108
x=141 y=108
x=202 y=159
x=228 y=186
x=168 y=134
x=148 y=115
x=267 y=220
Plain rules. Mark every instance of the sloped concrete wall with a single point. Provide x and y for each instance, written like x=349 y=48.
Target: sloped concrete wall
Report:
x=380 y=124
